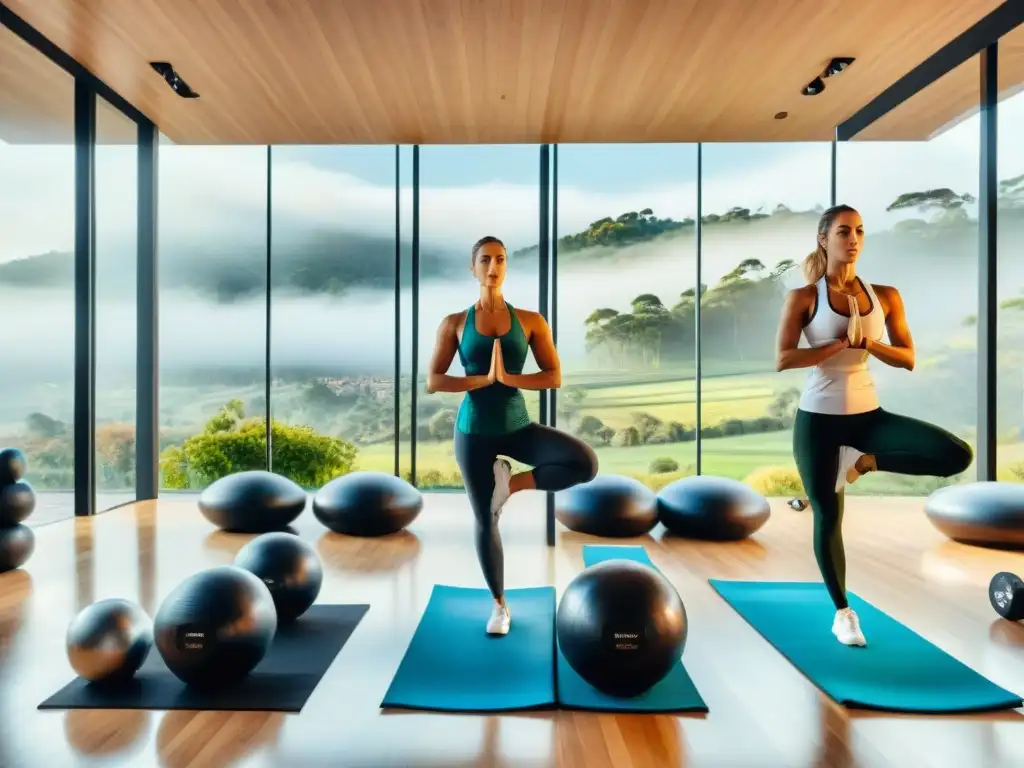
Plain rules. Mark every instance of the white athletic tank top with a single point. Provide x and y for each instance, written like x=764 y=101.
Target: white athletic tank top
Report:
x=842 y=384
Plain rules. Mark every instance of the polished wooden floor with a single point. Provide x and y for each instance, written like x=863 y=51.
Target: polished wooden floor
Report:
x=762 y=711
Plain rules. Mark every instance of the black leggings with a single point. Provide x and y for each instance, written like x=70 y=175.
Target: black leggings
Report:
x=559 y=460
x=899 y=444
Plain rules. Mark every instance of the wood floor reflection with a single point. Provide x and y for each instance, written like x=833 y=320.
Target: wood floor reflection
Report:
x=763 y=712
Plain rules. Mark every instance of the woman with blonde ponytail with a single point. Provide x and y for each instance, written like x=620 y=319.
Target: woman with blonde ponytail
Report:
x=840 y=431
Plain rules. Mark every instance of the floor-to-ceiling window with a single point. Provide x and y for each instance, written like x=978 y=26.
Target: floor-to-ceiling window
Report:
x=332 y=311
x=626 y=250
x=760 y=209
x=915 y=179
x=465 y=193
x=213 y=300
x=1010 y=227
x=37 y=271
x=116 y=203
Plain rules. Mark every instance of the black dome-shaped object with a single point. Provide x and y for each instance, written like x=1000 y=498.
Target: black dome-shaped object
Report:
x=17 y=502
x=289 y=567
x=985 y=513
x=255 y=501
x=17 y=544
x=614 y=506
x=12 y=465
x=216 y=626
x=712 y=508
x=622 y=626
x=367 y=504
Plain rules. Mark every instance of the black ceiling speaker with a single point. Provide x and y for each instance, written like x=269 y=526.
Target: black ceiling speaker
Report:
x=173 y=79
x=837 y=65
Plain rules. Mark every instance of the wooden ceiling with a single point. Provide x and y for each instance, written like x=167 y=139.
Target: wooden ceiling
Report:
x=491 y=71
x=951 y=99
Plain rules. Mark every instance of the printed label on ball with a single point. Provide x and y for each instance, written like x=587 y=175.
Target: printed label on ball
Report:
x=192 y=639
x=626 y=641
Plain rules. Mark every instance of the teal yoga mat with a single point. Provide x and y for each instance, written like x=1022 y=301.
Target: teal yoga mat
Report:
x=453 y=665
x=675 y=693
x=898 y=670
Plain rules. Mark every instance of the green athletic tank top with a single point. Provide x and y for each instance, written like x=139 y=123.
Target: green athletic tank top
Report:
x=496 y=409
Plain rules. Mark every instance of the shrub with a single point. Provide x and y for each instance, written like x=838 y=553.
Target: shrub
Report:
x=663 y=464
x=776 y=481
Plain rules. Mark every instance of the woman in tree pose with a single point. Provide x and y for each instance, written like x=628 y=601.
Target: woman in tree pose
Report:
x=493 y=339
x=840 y=432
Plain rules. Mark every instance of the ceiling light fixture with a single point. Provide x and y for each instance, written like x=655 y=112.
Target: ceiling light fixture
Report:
x=836 y=66
x=173 y=79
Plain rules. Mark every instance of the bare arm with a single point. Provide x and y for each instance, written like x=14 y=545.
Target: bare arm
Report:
x=787 y=353
x=445 y=347
x=900 y=353
x=543 y=345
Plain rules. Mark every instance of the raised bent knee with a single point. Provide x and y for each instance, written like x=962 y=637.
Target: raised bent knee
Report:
x=588 y=464
x=957 y=457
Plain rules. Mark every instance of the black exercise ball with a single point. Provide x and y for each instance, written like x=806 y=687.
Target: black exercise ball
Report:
x=17 y=502
x=984 y=513
x=622 y=626
x=712 y=508
x=367 y=504
x=108 y=640
x=16 y=546
x=216 y=626
x=12 y=465
x=254 y=501
x=289 y=567
x=613 y=506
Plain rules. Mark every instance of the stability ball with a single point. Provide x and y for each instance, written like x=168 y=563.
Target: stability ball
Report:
x=712 y=508
x=17 y=502
x=109 y=640
x=216 y=626
x=622 y=626
x=16 y=546
x=254 y=501
x=12 y=465
x=290 y=569
x=612 y=506
x=367 y=504
x=984 y=513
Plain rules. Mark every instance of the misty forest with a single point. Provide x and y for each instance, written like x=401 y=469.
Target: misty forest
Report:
x=627 y=324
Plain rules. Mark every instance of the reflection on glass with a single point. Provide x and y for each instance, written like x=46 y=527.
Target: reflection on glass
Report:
x=627 y=270
x=918 y=200
x=1010 y=328
x=760 y=209
x=116 y=289
x=212 y=277
x=333 y=311
x=37 y=273
x=466 y=193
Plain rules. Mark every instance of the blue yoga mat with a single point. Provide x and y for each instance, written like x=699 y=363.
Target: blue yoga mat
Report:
x=453 y=665
x=676 y=691
x=898 y=670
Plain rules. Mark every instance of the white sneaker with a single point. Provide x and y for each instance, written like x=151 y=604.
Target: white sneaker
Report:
x=847 y=466
x=500 y=621
x=502 y=476
x=846 y=628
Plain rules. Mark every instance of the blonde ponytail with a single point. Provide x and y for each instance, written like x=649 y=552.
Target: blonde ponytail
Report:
x=815 y=265
x=816 y=262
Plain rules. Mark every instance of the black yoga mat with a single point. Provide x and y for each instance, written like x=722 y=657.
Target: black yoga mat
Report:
x=297 y=659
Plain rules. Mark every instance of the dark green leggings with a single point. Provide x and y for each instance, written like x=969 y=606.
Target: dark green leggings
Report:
x=899 y=444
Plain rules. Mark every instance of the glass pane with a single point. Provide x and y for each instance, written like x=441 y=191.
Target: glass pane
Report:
x=627 y=273
x=913 y=176
x=1010 y=329
x=213 y=288
x=760 y=206
x=467 y=192
x=332 y=311
x=37 y=272
x=116 y=289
